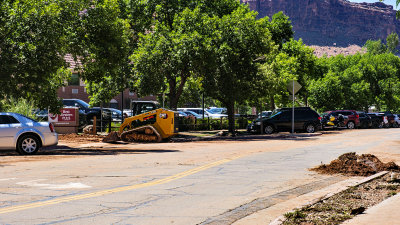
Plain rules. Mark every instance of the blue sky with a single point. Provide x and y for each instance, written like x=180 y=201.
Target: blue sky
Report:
x=388 y=2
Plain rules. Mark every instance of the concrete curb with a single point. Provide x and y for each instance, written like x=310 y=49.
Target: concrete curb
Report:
x=282 y=218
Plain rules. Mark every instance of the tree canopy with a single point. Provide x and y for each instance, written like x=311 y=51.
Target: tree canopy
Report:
x=239 y=41
x=33 y=43
x=358 y=82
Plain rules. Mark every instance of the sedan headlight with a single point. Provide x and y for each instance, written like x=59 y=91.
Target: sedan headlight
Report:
x=258 y=123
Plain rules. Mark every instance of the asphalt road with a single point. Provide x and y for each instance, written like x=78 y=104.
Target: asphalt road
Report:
x=214 y=182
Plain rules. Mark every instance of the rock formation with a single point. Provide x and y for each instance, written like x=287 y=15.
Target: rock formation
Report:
x=333 y=22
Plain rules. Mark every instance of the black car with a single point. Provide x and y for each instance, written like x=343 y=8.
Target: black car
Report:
x=365 y=120
x=88 y=112
x=377 y=120
x=305 y=119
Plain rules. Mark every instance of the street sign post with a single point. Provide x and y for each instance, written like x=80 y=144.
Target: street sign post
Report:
x=293 y=87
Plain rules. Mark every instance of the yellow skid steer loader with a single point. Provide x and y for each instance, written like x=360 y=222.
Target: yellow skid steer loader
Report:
x=153 y=126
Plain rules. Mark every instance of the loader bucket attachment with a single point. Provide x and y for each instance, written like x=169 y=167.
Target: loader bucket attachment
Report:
x=112 y=137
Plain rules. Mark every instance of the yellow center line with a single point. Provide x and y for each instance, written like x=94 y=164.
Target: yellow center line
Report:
x=114 y=190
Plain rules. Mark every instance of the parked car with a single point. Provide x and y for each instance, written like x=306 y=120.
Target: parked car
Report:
x=217 y=110
x=182 y=114
x=396 y=120
x=191 y=113
x=389 y=119
x=305 y=119
x=217 y=113
x=116 y=114
x=24 y=134
x=265 y=114
x=88 y=112
x=365 y=120
x=196 y=110
x=42 y=115
x=377 y=120
x=128 y=113
x=352 y=119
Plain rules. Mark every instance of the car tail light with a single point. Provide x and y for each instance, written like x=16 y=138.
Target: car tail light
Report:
x=319 y=118
x=357 y=116
x=51 y=127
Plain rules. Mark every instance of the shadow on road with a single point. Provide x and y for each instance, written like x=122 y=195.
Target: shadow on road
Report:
x=295 y=137
x=65 y=150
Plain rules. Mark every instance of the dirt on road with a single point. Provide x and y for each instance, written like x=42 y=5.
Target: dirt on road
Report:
x=351 y=164
x=80 y=138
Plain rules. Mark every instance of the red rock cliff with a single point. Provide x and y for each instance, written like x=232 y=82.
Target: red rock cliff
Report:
x=325 y=22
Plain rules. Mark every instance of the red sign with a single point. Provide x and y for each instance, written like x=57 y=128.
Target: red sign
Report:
x=67 y=116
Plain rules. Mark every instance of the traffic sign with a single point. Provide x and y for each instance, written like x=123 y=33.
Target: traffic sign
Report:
x=293 y=87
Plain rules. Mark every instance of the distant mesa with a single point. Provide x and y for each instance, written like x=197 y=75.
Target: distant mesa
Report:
x=325 y=22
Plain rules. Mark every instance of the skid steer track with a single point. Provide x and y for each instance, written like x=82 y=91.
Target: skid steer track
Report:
x=141 y=134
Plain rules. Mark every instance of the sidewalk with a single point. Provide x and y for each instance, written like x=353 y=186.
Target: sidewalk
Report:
x=386 y=212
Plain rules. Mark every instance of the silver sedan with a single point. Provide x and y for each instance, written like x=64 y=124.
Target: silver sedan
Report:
x=24 y=134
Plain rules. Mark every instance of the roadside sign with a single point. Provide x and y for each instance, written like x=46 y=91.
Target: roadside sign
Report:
x=68 y=116
x=67 y=121
x=293 y=87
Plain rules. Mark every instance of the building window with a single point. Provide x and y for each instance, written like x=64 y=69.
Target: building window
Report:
x=74 y=91
x=74 y=80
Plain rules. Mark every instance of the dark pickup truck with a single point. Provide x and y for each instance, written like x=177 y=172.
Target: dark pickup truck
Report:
x=88 y=112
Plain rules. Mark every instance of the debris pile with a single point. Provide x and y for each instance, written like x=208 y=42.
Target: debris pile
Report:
x=356 y=165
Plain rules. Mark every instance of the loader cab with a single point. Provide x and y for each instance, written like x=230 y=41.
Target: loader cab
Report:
x=140 y=107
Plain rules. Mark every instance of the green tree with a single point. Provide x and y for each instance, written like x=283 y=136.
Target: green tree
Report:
x=375 y=47
x=33 y=42
x=392 y=42
x=294 y=61
x=177 y=43
x=325 y=93
x=103 y=41
x=281 y=29
x=358 y=82
x=169 y=56
x=231 y=75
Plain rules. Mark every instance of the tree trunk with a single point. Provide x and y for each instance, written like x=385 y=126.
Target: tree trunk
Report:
x=175 y=93
x=271 y=103
x=231 y=117
x=173 y=101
